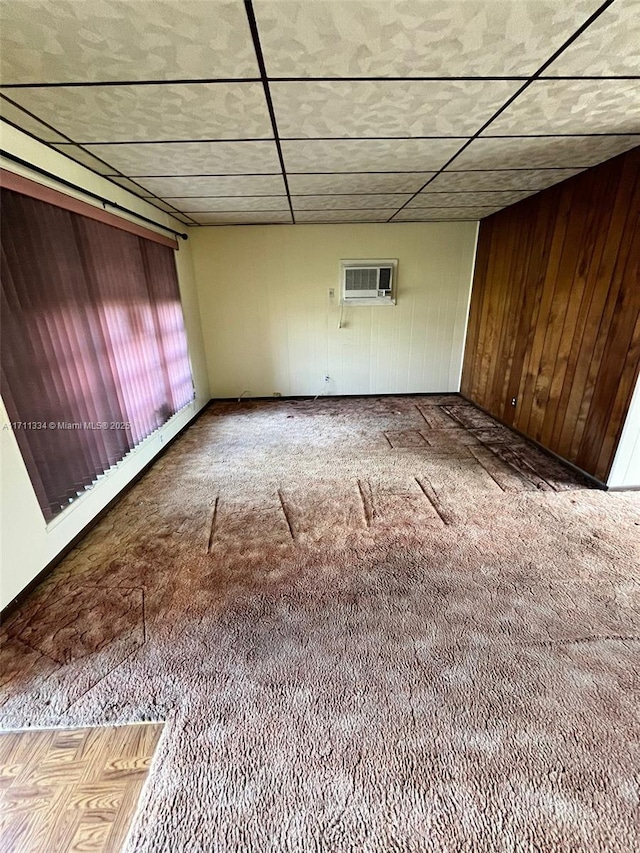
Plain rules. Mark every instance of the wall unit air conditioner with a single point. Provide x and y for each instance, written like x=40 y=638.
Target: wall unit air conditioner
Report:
x=368 y=282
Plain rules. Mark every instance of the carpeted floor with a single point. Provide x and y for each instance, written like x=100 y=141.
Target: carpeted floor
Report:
x=370 y=624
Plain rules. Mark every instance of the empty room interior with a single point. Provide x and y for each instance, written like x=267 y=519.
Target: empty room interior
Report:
x=320 y=426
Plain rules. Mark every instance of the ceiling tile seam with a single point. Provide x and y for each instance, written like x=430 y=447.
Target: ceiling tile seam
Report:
x=64 y=135
x=206 y=81
x=385 y=172
x=333 y=195
x=566 y=44
x=347 y=209
x=335 y=138
x=253 y=27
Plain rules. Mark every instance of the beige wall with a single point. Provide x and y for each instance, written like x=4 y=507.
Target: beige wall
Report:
x=28 y=544
x=270 y=325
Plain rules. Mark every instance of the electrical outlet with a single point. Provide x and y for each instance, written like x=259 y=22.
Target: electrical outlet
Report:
x=332 y=293
x=277 y=394
x=327 y=377
x=514 y=400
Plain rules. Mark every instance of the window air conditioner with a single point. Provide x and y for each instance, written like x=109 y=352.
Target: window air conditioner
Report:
x=368 y=282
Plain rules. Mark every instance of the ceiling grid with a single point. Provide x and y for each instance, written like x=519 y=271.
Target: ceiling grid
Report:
x=284 y=111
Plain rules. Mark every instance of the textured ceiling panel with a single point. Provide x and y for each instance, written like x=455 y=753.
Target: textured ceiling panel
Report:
x=150 y=113
x=370 y=155
x=573 y=106
x=255 y=216
x=412 y=38
x=407 y=182
x=192 y=205
x=610 y=46
x=387 y=108
x=541 y=153
x=191 y=158
x=377 y=215
x=26 y=122
x=440 y=214
x=515 y=179
x=85 y=158
x=165 y=93
x=464 y=199
x=348 y=202
x=215 y=185
x=107 y=40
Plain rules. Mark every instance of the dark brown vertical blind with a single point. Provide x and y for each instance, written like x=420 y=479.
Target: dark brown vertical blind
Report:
x=93 y=350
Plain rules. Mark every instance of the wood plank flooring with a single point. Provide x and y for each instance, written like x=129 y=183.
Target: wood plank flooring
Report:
x=72 y=789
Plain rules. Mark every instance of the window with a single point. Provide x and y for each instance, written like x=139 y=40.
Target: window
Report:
x=93 y=350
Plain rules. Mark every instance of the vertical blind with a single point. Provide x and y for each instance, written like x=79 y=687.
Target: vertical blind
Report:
x=93 y=348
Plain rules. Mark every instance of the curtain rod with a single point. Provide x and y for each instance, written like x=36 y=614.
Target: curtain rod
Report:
x=103 y=201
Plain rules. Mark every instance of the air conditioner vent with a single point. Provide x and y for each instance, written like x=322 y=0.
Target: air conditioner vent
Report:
x=368 y=282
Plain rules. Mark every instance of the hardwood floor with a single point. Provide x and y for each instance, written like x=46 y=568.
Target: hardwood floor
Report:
x=72 y=789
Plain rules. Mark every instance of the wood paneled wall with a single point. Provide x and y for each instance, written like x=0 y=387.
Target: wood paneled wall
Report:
x=554 y=320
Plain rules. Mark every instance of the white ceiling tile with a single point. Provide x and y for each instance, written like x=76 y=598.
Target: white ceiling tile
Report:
x=439 y=214
x=107 y=40
x=572 y=106
x=407 y=182
x=543 y=152
x=191 y=158
x=26 y=122
x=609 y=46
x=132 y=186
x=349 y=202
x=84 y=157
x=412 y=38
x=244 y=218
x=502 y=179
x=163 y=205
x=215 y=185
x=151 y=113
x=375 y=215
x=375 y=108
x=467 y=199
x=231 y=203
x=368 y=155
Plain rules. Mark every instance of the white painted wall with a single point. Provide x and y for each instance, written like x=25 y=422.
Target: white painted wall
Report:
x=28 y=543
x=270 y=325
x=625 y=471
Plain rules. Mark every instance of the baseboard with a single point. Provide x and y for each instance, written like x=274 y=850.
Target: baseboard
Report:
x=34 y=582
x=597 y=483
x=272 y=399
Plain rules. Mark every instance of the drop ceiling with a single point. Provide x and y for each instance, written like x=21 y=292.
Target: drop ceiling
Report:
x=307 y=111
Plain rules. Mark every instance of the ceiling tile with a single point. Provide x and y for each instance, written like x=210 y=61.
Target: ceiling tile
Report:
x=470 y=199
x=169 y=209
x=191 y=205
x=375 y=108
x=503 y=179
x=608 y=47
x=572 y=106
x=438 y=214
x=244 y=218
x=215 y=185
x=368 y=155
x=375 y=215
x=84 y=157
x=132 y=186
x=152 y=113
x=540 y=153
x=348 y=202
x=108 y=40
x=23 y=120
x=402 y=182
x=191 y=158
x=411 y=38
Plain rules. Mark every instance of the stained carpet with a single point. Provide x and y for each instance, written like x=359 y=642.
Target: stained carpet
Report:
x=370 y=625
